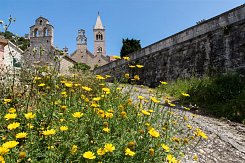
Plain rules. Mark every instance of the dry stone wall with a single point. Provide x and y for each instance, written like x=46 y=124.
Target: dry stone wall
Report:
x=215 y=46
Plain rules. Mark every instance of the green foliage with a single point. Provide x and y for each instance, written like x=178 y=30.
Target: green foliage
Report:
x=222 y=96
x=21 y=42
x=129 y=46
x=81 y=67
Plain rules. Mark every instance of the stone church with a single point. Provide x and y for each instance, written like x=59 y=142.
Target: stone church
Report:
x=98 y=57
x=42 y=50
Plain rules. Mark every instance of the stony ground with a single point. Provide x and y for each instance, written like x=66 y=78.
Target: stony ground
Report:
x=226 y=143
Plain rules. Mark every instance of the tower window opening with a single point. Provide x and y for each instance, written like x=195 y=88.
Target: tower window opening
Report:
x=99 y=50
x=35 y=32
x=40 y=22
x=45 y=32
x=99 y=36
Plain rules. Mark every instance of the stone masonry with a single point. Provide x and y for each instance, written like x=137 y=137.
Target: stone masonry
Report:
x=214 y=46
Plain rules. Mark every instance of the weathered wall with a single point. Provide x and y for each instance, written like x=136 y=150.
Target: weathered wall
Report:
x=213 y=47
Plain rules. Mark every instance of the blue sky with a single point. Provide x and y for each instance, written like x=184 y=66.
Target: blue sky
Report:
x=146 y=20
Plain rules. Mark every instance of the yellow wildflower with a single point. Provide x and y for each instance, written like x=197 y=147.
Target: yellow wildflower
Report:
x=200 y=133
x=77 y=114
x=171 y=159
x=116 y=57
x=21 y=135
x=185 y=94
x=101 y=151
x=22 y=155
x=106 y=129
x=49 y=132
x=63 y=107
x=76 y=85
x=99 y=77
x=89 y=155
x=145 y=112
x=74 y=149
x=109 y=147
x=155 y=100
x=3 y=150
x=12 y=110
x=10 y=116
x=68 y=84
x=141 y=97
x=13 y=125
x=30 y=115
x=63 y=128
x=153 y=133
x=96 y=99
x=131 y=66
x=126 y=58
x=189 y=126
x=195 y=157
x=30 y=125
x=107 y=76
x=136 y=77
x=106 y=90
x=87 y=89
x=123 y=114
x=128 y=152
x=172 y=105
x=41 y=85
x=7 y=100
x=152 y=152
x=10 y=144
x=126 y=75
x=165 y=147
x=108 y=115
x=139 y=66
x=2 y=159
x=163 y=83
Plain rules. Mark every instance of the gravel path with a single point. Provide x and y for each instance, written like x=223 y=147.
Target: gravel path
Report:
x=226 y=143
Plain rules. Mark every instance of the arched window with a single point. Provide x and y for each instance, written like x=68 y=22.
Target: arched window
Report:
x=35 y=33
x=99 y=50
x=45 y=32
x=99 y=36
x=40 y=22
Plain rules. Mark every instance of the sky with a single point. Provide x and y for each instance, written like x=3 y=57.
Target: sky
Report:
x=146 y=20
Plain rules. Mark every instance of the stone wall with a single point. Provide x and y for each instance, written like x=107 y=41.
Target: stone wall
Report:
x=214 y=46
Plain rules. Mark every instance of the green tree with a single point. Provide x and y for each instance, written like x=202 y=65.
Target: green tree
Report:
x=21 y=42
x=81 y=67
x=129 y=46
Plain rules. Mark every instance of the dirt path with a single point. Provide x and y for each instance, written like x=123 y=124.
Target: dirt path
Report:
x=226 y=143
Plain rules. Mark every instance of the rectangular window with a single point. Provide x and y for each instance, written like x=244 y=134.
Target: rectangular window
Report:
x=16 y=63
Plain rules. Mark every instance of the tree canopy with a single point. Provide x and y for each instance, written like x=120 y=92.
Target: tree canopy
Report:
x=81 y=67
x=129 y=46
x=21 y=42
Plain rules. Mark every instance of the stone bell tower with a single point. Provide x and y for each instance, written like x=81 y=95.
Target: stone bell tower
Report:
x=82 y=46
x=42 y=34
x=99 y=38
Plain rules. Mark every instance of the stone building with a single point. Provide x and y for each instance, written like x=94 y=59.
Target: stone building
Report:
x=98 y=57
x=42 y=50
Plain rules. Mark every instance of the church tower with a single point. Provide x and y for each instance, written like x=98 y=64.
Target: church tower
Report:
x=42 y=34
x=99 y=38
x=82 y=46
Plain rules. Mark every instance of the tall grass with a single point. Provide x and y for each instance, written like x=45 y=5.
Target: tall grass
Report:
x=221 y=96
